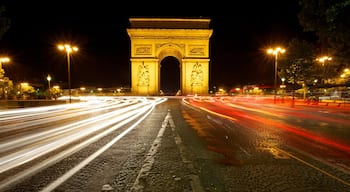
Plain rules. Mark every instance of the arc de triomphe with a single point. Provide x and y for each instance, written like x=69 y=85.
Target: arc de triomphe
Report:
x=153 y=39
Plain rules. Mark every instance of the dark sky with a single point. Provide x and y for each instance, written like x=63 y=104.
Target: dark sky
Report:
x=240 y=33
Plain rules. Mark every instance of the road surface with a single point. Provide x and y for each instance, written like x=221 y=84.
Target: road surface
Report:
x=174 y=144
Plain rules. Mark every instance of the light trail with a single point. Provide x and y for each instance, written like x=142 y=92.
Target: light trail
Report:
x=251 y=120
x=229 y=112
x=51 y=116
x=71 y=172
x=26 y=148
x=291 y=129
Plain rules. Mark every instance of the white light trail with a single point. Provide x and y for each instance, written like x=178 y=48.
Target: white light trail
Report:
x=24 y=149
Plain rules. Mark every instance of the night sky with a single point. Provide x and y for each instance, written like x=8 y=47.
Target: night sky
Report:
x=237 y=47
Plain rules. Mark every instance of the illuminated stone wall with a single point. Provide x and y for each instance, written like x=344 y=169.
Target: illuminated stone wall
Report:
x=185 y=39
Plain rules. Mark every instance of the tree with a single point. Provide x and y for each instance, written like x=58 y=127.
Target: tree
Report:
x=298 y=65
x=4 y=22
x=330 y=21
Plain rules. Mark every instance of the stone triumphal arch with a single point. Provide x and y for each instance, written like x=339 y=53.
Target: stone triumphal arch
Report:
x=153 y=39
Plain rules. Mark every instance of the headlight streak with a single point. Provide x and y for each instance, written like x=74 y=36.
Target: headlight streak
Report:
x=31 y=110
x=39 y=111
x=123 y=119
x=35 y=111
x=42 y=119
x=62 y=136
x=71 y=172
x=29 y=139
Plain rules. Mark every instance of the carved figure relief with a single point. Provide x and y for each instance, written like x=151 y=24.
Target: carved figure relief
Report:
x=197 y=75
x=143 y=76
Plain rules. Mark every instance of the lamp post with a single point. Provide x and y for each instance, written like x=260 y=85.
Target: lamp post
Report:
x=283 y=79
x=323 y=60
x=2 y=75
x=48 y=80
x=3 y=60
x=69 y=49
x=275 y=52
x=283 y=86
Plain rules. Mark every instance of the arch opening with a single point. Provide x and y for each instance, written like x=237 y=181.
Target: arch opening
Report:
x=170 y=76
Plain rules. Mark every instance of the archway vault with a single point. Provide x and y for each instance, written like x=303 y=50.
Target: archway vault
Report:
x=153 y=39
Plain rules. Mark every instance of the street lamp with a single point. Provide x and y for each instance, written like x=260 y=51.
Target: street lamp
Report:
x=323 y=60
x=69 y=49
x=283 y=79
x=48 y=80
x=3 y=60
x=2 y=75
x=275 y=52
x=283 y=86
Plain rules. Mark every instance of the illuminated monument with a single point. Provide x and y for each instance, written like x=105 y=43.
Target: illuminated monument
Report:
x=153 y=39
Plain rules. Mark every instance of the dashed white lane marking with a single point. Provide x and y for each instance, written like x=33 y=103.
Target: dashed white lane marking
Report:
x=148 y=162
x=139 y=183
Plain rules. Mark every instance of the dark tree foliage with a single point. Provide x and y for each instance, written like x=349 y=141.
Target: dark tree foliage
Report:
x=298 y=64
x=330 y=21
x=4 y=22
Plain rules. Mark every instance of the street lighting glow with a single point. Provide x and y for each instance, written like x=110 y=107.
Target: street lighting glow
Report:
x=4 y=59
x=346 y=73
x=68 y=48
x=323 y=59
x=275 y=52
x=49 y=77
x=48 y=80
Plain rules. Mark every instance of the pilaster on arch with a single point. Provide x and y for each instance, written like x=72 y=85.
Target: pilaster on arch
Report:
x=153 y=39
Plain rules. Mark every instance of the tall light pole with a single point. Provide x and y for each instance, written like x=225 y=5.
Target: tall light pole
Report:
x=323 y=60
x=48 y=80
x=69 y=49
x=2 y=75
x=275 y=52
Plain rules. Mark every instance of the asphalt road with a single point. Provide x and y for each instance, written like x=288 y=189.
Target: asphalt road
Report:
x=178 y=147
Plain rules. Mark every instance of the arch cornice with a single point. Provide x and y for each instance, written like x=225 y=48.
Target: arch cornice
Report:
x=170 y=33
